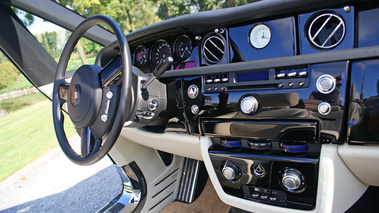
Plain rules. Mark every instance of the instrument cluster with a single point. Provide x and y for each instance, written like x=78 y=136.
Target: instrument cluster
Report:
x=183 y=49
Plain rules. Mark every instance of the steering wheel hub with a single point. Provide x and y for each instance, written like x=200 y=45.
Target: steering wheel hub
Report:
x=85 y=96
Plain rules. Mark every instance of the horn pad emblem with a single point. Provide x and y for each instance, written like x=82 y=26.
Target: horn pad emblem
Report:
x=76 y=95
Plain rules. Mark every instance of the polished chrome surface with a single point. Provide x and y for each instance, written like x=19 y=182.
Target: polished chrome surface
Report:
x=193 y=91
x=293 y=180
x=259 y=170
x=152 y=105
x=249 y=105
x=324 y=108
x=328 y=21
x=188 y=180
x=130 y=197
x=326 y=84
x=195 y=109
x=231 y=172
x=213 y=49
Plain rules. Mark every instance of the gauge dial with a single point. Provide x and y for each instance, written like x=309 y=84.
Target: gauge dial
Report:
x=160 y=50
x=183 y=47
x=141 y=56
x=260 y=36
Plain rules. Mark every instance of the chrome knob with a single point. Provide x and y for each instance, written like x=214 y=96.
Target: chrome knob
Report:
x=231 y=172
x=326 y=84
x=249 y=105
x=293 y=180
x=324 y=108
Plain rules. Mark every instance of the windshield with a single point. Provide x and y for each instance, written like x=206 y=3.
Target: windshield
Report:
x=132 y=15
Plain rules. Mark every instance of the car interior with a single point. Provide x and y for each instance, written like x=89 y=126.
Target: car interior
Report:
x=275 y=102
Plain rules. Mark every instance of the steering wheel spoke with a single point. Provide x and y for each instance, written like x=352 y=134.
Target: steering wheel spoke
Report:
x=85 y=141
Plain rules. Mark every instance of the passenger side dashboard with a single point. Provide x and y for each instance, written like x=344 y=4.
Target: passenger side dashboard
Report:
x=276 y=94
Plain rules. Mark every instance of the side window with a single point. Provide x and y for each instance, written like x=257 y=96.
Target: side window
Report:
x=53 y=38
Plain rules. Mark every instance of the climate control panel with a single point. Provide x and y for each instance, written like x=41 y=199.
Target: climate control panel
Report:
x=288 y=180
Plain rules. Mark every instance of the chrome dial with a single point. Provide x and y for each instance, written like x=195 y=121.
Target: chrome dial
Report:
x=260 y=36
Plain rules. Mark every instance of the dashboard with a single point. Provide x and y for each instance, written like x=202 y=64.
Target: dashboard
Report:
x=271 y=87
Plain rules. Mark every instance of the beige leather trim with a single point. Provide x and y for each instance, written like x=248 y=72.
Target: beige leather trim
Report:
x=178 y=144
x=338 y=188
x=363 y=161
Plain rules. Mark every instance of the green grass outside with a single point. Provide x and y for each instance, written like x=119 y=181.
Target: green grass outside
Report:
x=74 y=64
x=12 y=105
x=21 y=83
x=25 y=135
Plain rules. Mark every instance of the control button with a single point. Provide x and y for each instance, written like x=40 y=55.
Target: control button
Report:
x=259 y=171
x=195 y=109
x=193 y=91
x=225 y=79
x=145 y=114
x=324 y=108
x=294 y=147
x=303 y=72
x=209 y=81
x=301 y=83
x=223 y=89
x=216 y=80
x=290 y=84
x=152 y=105
x=260 y=145
x=292 y=73
x=231 y=172
x=281 y=74
x=293 y=180
x=256 y=189
x=104 y=118
x=109 y=95
x=230 y=143
x=209 y=89
x=326 y=84
x=281 y=85
x=255 y=194
x=249 y=105
x=264 y=196
x=273 y=198
x=215 y=89
x=267 y=191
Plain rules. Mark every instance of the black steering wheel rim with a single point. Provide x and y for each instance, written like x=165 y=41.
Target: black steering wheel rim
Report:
x=124 y=106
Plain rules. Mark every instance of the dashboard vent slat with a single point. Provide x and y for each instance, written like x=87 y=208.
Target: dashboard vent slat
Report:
x=213 y=48
x=326 y=30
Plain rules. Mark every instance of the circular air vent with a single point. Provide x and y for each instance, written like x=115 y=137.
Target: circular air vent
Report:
x=326 y=31
x=213 y=48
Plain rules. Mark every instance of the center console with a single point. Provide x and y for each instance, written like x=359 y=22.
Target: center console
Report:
x=267 y=127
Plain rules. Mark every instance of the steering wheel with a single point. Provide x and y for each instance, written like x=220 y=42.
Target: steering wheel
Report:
x=96 y=107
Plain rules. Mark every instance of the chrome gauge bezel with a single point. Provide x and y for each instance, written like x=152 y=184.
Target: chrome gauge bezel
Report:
x=254 y=40
x=138 y=61
x=182 y=56
x=155 y=57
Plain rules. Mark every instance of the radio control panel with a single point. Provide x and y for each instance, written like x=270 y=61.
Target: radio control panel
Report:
x=274 y=78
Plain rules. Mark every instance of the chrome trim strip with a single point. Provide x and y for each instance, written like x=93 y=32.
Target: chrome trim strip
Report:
x=130 y=197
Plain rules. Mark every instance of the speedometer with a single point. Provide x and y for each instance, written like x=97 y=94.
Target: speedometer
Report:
x=160 y=50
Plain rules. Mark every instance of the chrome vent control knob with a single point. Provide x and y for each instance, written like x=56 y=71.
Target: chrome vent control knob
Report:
x=249 y=105
x=326 y=84
x=293 y=180
x=231 y=172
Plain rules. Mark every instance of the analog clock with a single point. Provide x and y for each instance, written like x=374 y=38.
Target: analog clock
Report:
x=260 y=36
